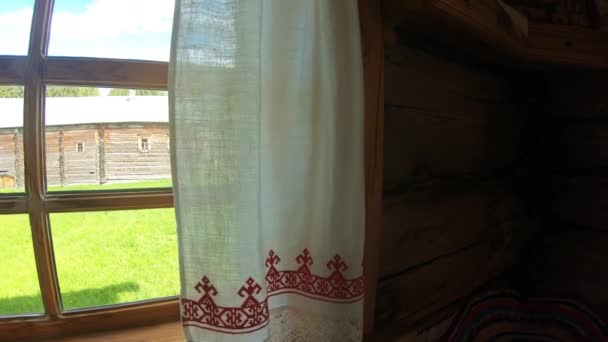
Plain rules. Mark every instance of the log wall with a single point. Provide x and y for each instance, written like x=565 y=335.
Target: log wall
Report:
x=453 y=214
x=110 y=153
x=568 y=259
x=53 y=155
x=80 y=167
x=124 y=161
x=11 y=155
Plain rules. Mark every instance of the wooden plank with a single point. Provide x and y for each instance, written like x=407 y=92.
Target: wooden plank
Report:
x=421 y=144
x=167 y=332
x=90 y=321
x=109 y=200
x=410 y=69
x=13 y=204
x=105 y=72
x=474 y=25
x=373 y=73
x=443 y=118
x=477 y=29
x=12 y=69
x=420 y=227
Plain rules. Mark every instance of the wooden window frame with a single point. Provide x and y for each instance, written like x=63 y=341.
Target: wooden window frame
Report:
x=35 y=71
x=140 y=146
x=79 y=147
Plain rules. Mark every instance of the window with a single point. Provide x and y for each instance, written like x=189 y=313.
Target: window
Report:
x=144 y=144
x=87 y=234
x=116 y=127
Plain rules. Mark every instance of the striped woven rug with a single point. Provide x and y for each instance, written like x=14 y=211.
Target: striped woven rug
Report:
x=506 y=316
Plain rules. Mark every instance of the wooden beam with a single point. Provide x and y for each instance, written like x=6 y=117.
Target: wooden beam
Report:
x=373 y=73
x=12 y=69
x=33 y=137
x=105 y=72
x=108 y=200
x=13 y=204
x=91 y=320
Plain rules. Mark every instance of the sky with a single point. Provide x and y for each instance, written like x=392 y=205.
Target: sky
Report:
x=128 y=29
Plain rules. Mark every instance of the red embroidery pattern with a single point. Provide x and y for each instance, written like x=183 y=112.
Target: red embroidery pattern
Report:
x=253 y=315
x=250 y=316
x=334 y=288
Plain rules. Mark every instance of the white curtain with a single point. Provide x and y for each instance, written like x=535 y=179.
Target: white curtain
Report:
x=266 y=102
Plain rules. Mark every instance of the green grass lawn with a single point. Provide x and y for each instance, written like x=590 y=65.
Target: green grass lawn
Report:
x=161 y=183
x=102 y=257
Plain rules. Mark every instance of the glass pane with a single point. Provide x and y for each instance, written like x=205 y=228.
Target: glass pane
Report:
x=101 y=139
x=19 y=289
x=11 y=139
x=115 y=257
x=127 y=29
x=15 y=25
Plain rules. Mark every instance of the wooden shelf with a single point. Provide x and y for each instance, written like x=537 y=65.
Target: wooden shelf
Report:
x=477 y=28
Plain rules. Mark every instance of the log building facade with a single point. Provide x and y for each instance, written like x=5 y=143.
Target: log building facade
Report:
x=91 y=140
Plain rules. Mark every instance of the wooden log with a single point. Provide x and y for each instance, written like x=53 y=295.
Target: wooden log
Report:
x=420 y=227
x=408 y=69
x=444 y=119
x=403 y=298
x=422 y=144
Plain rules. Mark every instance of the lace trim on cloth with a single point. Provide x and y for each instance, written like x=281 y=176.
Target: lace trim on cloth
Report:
x=288 y=324
x=253 y=314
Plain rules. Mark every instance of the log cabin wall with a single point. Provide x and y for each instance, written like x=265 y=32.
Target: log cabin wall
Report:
x=11 y=156
x=125 y=161
x=569 y=258
x=455 y=175
x=91 y=154
x=65 y=163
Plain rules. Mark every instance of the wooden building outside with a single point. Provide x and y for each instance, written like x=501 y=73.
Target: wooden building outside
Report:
x=91 y=140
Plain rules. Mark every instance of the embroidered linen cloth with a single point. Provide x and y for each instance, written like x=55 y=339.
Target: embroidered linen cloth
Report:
x=266 y=103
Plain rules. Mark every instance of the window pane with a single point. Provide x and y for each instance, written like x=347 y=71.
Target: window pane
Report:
x=15 y=24
x=100 y=139
x=11 y=139
x=115 y=257
x=19 y=289
x=127 y=29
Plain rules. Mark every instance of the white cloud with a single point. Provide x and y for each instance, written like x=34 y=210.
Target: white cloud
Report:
x=14 y=32
x=113 y=18
x=136 y=29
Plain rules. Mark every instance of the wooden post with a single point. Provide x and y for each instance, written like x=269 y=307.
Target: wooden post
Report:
x=62 y=179
x=101 y=151
x=18 y=151
x=373 y=63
